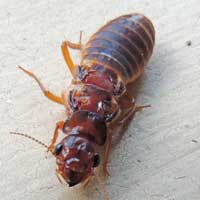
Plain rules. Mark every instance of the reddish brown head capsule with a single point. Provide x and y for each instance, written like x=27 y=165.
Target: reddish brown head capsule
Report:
x=76 y=159
x=76 y=154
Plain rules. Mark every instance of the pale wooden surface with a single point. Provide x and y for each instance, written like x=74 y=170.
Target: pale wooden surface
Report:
x=159 y=156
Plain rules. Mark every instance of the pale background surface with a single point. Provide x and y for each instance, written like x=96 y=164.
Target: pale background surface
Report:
x=159 y=156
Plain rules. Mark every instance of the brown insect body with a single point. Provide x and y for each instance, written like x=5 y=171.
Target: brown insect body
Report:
x=113 y=57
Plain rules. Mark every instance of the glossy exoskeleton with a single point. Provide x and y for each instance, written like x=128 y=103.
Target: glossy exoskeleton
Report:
x=97 y=100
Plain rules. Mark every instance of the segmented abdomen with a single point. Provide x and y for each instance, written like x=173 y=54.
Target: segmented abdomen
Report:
x=124 y=44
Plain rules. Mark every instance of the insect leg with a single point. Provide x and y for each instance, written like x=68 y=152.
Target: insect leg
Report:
x=86 y=182
x=67 y=57
x=67 y=106
x=119 y=124
x=76 y=45
x=107 y=151
x=130 y=113
x=66 y=54
x=128 y=106
x=59 y=125
x=47 y=93
x=126 y=101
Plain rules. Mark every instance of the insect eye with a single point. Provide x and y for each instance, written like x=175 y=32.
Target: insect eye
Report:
x=58 y=148
x=96 y=160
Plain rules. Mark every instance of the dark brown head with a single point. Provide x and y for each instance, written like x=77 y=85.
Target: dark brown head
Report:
x=76 y=159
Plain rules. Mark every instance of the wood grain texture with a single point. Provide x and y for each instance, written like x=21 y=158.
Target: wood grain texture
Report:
x=158 y=157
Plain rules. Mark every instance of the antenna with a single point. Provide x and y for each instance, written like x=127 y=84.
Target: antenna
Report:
x=101 y=184
x=32 y=138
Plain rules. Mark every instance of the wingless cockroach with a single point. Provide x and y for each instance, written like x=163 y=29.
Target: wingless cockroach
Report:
x=97 y=100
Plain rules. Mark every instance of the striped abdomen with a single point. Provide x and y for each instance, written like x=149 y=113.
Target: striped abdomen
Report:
x=124 y=44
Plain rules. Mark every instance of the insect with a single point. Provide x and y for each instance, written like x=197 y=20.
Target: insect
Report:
x=97 y=101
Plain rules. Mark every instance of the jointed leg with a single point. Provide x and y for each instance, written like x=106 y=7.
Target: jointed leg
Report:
x=59 y=125
x=86 y=182
x=66 y=54
x=127 y=102
x=47 y=93
x=67 y=58
x=107 y=151
x=76 y=45
x=120 y=122
x=129 y=114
